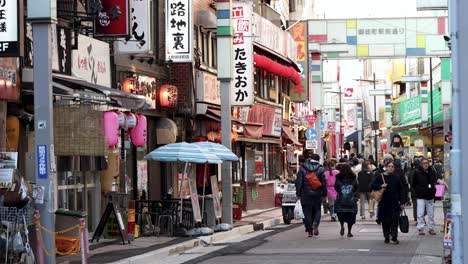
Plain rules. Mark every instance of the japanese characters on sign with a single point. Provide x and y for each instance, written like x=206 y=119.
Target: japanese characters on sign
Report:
x=271 y=118
x=242 y=86
x=41 y=169
x=381 y=31
x=91 y=61
x=112 y=18
x=9 y=46
x=139 y=40
x=179 y=30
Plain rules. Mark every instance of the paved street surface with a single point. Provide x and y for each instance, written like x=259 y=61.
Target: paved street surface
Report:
x=289 y=244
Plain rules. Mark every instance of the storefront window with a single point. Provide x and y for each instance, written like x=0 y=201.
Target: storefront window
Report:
x=275 y=162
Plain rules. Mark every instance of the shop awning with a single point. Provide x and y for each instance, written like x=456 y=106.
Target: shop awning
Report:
x=353 y=137
x=409 y=125
x=260 y=140
x=117 y=97
x=277 y=68
x=290 y=136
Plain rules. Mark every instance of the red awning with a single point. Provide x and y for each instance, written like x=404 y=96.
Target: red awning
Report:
x=277 y=68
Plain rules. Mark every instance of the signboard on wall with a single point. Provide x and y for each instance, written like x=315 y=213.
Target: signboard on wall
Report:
x=91 y=61
x=9 y=33
x=410 y=109
x=269 y=116
x=179 y=30
x=208 y=88
x=299 y=34
x=9 y=79
x=139 y=40
x=243 y=84
x=112 y=18
x=389 y=37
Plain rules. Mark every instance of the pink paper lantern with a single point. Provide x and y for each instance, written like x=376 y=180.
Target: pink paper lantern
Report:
x=138 y=134
x=111 y=128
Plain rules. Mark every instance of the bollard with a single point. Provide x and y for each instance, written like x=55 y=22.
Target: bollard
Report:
x=84 y=241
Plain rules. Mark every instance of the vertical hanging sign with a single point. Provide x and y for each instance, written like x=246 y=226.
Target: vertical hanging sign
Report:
x=300 y=91
x=139 y=40
x=9 y=28
x=179 y=30
x=242 y=86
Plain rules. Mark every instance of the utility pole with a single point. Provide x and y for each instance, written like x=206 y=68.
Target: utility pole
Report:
x=432 y=110
x=375 y=120
x=42 y=14
x=225 y=65
x=459 y=38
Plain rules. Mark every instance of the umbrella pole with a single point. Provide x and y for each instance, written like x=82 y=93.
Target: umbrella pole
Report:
x=204 y=183
x=182 y=190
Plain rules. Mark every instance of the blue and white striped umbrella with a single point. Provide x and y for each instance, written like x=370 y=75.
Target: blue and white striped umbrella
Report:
x=184 y=152
x=219 y=150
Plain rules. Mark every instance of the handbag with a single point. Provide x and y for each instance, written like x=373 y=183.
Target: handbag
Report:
x=298 y=213
x=403 y=222
x=377 y=195
x=440 y=190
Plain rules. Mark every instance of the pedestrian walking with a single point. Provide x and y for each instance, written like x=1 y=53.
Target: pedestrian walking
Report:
x=392 y=202
x=411 y=173
x=346 y=187
x=330 y=178
x=311 y=188
x=424 y=182
x=365 y=178
x=356 y=166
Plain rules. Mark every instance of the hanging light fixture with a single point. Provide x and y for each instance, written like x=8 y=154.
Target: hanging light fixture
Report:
x=168 y=96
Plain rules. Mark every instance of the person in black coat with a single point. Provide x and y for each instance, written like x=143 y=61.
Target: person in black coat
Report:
x=346 y=187
x=424 y=185
x=365 y=177
x=311 y=199
x=393 y=200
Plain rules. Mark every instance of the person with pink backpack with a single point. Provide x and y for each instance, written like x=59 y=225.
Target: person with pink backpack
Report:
x=330 y=178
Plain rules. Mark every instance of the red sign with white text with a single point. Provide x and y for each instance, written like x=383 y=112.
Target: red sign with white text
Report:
x=113 y=19
x=349 y=92
x=269 y=116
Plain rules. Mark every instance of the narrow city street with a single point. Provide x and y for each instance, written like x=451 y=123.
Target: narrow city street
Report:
x=290 y=244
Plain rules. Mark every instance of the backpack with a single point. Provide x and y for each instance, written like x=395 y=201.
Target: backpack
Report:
x=347 y=195
x=313 y=180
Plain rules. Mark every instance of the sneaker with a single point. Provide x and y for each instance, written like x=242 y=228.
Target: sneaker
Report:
x=387 y=240
x=311 y=234
x=342 y=231
x=421 y=232
x=395 y=240
x=316 y=231
x=350 y=235
x=371 y=215
x=363 y=217
x=432 y=232
x=333 y=219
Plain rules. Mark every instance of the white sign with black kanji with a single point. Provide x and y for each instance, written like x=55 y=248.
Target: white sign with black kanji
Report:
x=9 y=28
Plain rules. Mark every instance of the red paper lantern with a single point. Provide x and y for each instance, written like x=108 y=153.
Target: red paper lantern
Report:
x=168 y=96
x=128 y=85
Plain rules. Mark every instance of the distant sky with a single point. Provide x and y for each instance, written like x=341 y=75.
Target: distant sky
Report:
x=365 y=8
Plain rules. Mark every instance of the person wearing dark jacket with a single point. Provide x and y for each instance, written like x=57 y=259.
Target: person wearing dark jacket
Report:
x=311 y=199
x=424 y=185
x=346 y=187
x=365 y=177
x=393 y=200
x=411 y=173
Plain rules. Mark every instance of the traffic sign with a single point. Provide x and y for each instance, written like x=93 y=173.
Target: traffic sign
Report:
x=311 y=133
x=311 y=144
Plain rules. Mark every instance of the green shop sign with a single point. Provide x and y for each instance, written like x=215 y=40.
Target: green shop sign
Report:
x=410 y=110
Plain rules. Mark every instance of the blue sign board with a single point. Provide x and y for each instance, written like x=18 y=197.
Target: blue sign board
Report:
x=41 y=155
x=311 y=133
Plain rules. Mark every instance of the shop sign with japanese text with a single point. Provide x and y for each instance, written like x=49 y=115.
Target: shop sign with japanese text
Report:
x=179 y=30
x=271 y=118
x=112 y=18
x=243 y=83
x=139 y=40
x=91 y=61
x=299 y=93
x=9 y=45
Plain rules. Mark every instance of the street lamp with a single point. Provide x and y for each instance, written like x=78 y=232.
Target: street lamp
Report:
x=374 y=124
